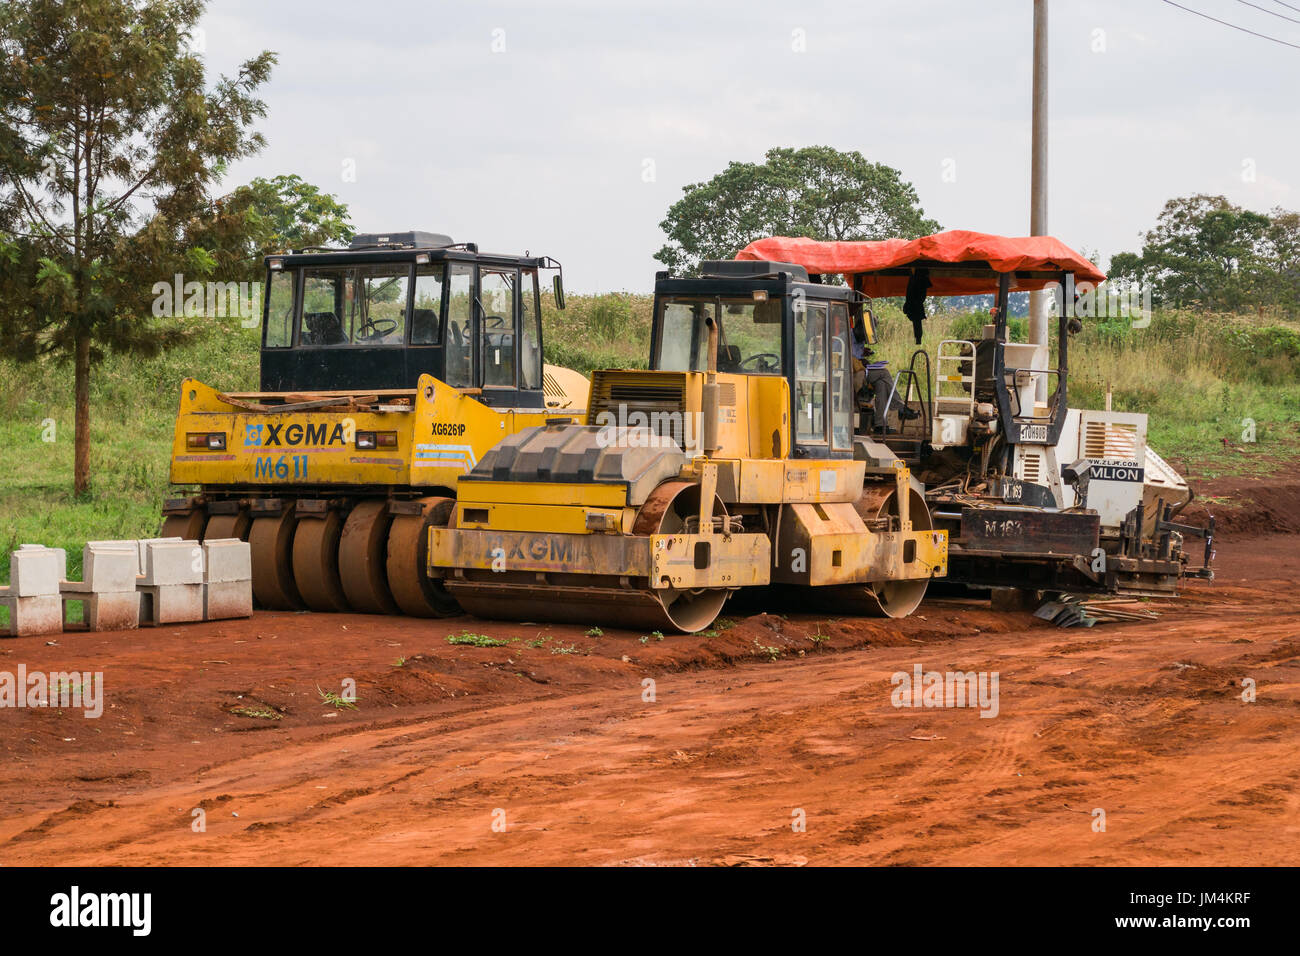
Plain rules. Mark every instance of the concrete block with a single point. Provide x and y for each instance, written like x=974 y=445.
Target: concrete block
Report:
x=108 y=569
x=109 y=610
x=173 y=562
x=227 y=599
x=127 y=544
x=37 y=571
x=34 y=615
x=143 y=546
x=227 y=560
x=171 y=603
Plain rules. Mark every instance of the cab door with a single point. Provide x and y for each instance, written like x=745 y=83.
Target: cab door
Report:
x=822 y=393
x=496 y=328
x=809 y=395
x=493 y=334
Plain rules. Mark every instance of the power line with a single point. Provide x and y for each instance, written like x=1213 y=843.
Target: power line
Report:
x=1262 y=36
x=1287 y=5
x=1272 y=13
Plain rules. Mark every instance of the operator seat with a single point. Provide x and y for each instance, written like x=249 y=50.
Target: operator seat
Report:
x=424 y=326
x=324 y=328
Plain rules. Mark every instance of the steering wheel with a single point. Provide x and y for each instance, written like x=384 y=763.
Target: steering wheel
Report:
x=763 y=361
x=376 y=329
x=494 y=322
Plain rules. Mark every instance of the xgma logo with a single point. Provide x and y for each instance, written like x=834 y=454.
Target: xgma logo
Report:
x=294 y=436
x=76 y=909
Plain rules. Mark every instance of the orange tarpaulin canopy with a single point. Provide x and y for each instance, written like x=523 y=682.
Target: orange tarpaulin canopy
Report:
x=955 y=247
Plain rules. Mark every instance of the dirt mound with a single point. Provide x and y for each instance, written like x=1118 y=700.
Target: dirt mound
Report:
x=1247 y=506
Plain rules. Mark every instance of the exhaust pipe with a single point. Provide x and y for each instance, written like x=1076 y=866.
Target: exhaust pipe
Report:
x=709 y=399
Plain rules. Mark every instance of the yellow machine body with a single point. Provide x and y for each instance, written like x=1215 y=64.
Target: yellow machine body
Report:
x=431 y=436
x=537 y=537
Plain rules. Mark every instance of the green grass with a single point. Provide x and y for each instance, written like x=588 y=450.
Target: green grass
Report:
x=331 y=699
x=1197 y=376
x=598 y=331
x=475 y=640
x=133 y=408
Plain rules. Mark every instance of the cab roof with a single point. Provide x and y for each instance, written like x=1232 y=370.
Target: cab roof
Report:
x=959 y=262
x=375 y=247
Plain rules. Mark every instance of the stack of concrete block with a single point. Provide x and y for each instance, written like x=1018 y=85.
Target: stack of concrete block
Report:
x=227 y=579
x=129 y=583
x=139 y=546
x=171 y=585
x=107 y=591
x=32 y=596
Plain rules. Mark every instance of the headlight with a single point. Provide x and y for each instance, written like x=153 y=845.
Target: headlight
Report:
x=208 y=441
x=376 y=439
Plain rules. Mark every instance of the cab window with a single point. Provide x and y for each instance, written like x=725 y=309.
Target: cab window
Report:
x=426 y=306
x=841 y=380
x=328 y=306
x=684 y=335
x=497 y=294
x=381 y=318
x=530 y=332
x=348 y=305
x=810 y=355
x=279 y=310
x=749 y=335
x=460 y=306
x=749 y=338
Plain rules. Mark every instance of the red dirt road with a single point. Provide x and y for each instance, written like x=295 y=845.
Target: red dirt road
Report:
x=767 y=719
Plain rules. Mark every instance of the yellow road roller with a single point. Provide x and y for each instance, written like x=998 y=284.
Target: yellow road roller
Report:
x=388 y=370
x=732 y=462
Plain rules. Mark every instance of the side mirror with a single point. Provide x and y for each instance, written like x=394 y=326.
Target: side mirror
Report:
x=558 y=283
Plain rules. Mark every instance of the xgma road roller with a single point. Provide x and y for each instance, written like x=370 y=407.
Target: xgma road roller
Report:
x=732 y=462
x=388 y=369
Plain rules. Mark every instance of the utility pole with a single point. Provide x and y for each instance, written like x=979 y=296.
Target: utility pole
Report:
x=1038 y=301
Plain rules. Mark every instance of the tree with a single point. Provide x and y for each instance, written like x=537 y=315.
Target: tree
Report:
x=817 y=192
x=1281 y=254
x=268 y=215
x=1205 y=251
x=110 y=141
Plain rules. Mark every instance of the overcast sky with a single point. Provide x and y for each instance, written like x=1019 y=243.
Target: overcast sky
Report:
x=568 y=127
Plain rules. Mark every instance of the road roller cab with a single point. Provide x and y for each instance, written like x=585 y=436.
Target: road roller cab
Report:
x=392 y=307
x=777 y=334
x=388 y=369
